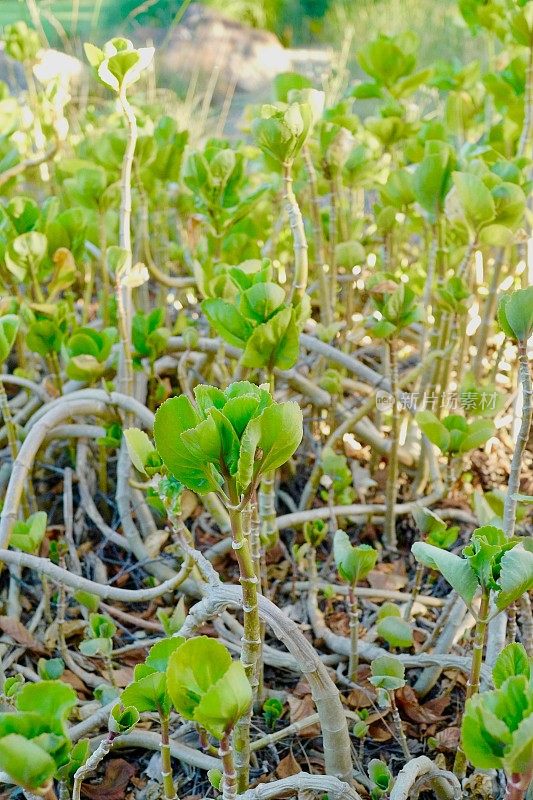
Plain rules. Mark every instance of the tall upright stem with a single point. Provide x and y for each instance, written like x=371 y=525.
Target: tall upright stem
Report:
x=428 y=286
x=399 y=727
x=301 y=267
x=472 y=686
x=251 y=640
x=527 y=128
x=229 y=780
x=389 y=532
x=267 y=496
x=102 y=238
x=326 y=314
x=509 y=510
x=166 y=763
x=353 y=616
x=124 y=299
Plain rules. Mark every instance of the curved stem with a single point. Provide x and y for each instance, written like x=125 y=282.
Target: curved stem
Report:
x=91 y=764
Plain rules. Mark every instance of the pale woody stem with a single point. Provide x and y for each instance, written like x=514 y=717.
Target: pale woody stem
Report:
x=251 y=640
x=229 y=780
x=299 y=283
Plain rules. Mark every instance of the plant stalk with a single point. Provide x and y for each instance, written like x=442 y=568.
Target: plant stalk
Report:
x=124 y=297
x=472 y=686
x=509 y=509
x=169 y=789
x=353 y=616
x=251 y=640
x=91 y=764
x=399 y=727
x=301 y=267
x=389 y=531
x=229 y=780
x=325 y=305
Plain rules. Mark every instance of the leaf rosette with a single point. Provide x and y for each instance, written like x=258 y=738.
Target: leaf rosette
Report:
x=226 y=438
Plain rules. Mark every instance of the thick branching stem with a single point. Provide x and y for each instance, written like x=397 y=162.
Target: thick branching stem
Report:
x=299 y=281
x=300 y=785
x=335 y=736
x=422 y=769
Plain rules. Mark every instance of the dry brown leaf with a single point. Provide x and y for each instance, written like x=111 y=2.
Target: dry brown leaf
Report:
x=339 y=623
x=408 y=703
x=123 y=676
x=72 y=679
x=118 y=774
x=299 y=708
x=379 y=579
x=379 y=732
x=21 y=635
x=448 y=739
x=287 y=766
x=363 y=697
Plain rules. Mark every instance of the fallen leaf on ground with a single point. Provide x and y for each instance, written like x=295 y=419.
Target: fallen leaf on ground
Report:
x=21 y=635
x=379 y=579
x=378 y=732
x=448 y=739
x=118 y=774
x=123 y=676
x=408 y=703
x=299 y=708
x=339 y=623
x=287 y=766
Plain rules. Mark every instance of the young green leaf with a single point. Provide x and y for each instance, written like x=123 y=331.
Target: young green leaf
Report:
x=353 y=563
x=512 y=660
x=205 y=685
x=516 y=576
x=387 y=673
x=455 y=569
x=29 y=765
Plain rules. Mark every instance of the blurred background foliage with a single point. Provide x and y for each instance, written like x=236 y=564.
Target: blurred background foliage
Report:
x=298 y=23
